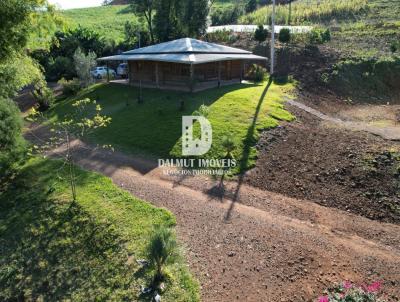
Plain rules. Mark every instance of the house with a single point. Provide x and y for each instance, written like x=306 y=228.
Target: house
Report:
x=186 y=64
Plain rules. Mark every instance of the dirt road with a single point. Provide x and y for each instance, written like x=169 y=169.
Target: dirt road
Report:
x=261 y=246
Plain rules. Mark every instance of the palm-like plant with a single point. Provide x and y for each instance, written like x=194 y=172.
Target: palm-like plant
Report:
x=229 y=145
x=162 y=249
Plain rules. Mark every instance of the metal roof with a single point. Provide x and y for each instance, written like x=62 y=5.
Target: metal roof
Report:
x=185 y=51
x=186 y=45
x=184 y=58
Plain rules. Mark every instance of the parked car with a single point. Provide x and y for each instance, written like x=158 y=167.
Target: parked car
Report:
x=122 y=70
x=101 y=72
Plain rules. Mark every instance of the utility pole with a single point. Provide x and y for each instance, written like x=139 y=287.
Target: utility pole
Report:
x=272 y=38
x=139 y=38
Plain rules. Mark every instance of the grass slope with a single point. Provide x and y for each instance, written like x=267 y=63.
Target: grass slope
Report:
x=108 y=21
x=154 y=127
x=307 y=12
x=360 y=28
x=54 y=251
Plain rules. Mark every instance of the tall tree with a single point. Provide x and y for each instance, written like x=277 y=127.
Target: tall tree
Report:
x=196 y=17
x=251 y=6
x=146 y=8
x=169 y=19
x=19 y=23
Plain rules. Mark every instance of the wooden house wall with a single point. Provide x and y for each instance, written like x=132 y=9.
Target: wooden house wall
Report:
x=174 y=73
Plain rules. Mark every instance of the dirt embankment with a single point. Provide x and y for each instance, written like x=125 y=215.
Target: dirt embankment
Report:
x=336 y=167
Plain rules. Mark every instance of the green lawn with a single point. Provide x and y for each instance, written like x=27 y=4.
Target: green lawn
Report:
x=154 y=127
x=54 y=251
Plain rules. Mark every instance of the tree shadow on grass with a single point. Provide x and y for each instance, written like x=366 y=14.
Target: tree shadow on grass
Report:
x=153 y=128
x=248 y=143
x=54 y=250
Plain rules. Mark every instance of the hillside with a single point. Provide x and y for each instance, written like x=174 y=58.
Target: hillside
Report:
x=107 y=20
x=359 y=27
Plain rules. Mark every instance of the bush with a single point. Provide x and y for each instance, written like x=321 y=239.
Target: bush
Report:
x=284 y=35
x=43 y=95
x=351 y=292
x=319 y=36
x=223 y=35
x=394 y=46
x=256 y=73
x=227 y=15
x=60 y=67
x=83 y=64
x=70 y=87
x=261 y=34
x=12 y=144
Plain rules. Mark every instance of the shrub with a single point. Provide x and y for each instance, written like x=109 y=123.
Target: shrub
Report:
x=319 y=35
x=70 y=87
x=83 y=64
x=284 y=35
x=223 y=35
x=394 y=46
x=60 y=67
x=351 y=292
x=43 y=95
x=12 y=144
x=256 y=73
x=227 y=15
x=261 y=34
x=162 y=249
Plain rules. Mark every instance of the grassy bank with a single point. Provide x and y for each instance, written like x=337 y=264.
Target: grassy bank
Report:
x=371 y=80
x=54 y=251
x=154 y=127
x=308 y=12
x=108 y=21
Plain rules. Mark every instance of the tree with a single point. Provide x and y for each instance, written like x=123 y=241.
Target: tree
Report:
x=169 y=19
x=77 y=125
x=133 y=31
x=162 y=249
x=12 y=144
x=284 y=35
x=18 y=22
x=83 y=64
x=196 y=17
x=43 y=95
x=251 y=6
x=261 y=34
x=14 y=25
x=146 y=9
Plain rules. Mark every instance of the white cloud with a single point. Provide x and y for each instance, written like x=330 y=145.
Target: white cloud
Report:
x=67 y=4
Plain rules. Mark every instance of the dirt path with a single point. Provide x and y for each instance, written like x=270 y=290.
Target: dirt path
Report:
x=386 y=132
x=246 y=244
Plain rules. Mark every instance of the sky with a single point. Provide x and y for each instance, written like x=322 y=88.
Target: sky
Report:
x=67 y=4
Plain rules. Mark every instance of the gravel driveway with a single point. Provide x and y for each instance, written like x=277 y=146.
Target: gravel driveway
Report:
x=245 y=244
